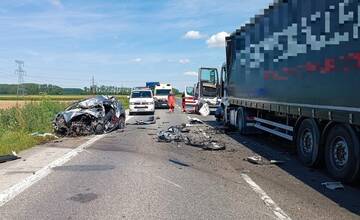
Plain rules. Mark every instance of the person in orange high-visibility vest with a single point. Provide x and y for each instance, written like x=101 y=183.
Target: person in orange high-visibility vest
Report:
x=171 y=102
x=183 y=101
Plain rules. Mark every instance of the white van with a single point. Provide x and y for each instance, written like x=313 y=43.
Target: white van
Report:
x=141 y=101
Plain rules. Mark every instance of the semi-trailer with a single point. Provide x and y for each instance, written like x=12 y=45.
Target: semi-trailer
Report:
x=294 y=71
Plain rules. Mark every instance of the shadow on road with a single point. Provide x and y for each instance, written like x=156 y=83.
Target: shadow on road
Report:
x=271 y=147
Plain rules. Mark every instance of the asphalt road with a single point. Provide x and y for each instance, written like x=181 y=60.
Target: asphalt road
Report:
x=129 y=175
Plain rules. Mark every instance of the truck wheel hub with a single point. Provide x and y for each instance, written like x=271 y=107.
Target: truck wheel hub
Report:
x=307 y=141
x=340 y=152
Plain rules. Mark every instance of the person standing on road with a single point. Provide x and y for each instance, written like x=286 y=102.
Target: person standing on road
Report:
x=183 y=101
x=171 y=102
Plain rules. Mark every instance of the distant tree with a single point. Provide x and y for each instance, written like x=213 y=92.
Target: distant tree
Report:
x=176 y=91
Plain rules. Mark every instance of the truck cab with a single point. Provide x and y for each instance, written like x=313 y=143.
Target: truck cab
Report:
x=161 y=93
x=220 y=112
x=207 y=88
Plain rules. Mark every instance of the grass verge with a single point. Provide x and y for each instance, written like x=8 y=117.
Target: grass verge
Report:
x=16 y=124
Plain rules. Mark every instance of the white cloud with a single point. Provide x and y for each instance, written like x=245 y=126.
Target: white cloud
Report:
x=193 y=35
x=136 y=60
x=56 y=3
x=217 y=40
x=191 y=73
x=184 y=61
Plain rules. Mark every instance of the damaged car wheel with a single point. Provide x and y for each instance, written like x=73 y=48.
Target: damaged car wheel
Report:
x=99 y=129
x=122 y=122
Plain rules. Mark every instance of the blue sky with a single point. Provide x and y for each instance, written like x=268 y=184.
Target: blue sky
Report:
x=120 y=42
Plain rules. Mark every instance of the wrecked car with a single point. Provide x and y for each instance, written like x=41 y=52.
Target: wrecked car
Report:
x=96 y=115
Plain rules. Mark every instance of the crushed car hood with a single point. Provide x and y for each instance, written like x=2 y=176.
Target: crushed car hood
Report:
x=70 y=114
x=94 y=115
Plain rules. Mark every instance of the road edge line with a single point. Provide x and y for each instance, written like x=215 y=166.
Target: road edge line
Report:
x=13 y=191
x=279 y=213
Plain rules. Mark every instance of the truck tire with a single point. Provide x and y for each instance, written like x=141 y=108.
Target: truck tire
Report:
x=226 y=117
x=342 y=153
x=308 y=142
x=241 y=121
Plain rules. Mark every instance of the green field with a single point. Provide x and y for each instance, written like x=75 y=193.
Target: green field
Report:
x=61 y=98
x=51 y=97
x=35 y=115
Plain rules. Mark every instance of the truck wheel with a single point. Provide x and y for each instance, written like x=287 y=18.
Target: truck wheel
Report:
x=308 y=142
x=226 y=117
x=342 y=153
x=241 y=121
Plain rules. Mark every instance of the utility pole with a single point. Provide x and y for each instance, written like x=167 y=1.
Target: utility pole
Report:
x=93 y=88
x=20 y=72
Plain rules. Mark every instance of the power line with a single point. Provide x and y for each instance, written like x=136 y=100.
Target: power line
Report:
x=20 y=72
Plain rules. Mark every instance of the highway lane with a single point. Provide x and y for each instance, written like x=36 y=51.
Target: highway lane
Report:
x=129 y=175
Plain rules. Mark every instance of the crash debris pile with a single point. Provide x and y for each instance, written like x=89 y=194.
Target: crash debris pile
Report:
x=97 y=115
x=198 y=136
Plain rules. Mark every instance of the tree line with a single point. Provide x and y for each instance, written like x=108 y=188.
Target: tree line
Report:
x=49 y=89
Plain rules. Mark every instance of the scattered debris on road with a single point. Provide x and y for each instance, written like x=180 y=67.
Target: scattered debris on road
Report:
x=195 y=121
x=202 y=137
x=255 y=160
x=172 y=134
x=204 y=110
x=261 y=161
x=333 y=185
x=214 y=146
x=97 y=115
x=57 y=141
x=142 y=120
x=9 y=157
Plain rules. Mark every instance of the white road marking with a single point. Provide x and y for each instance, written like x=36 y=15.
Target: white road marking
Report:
x=168 y=181
x=16 y=189
x=279 y=213
x=13 y=191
